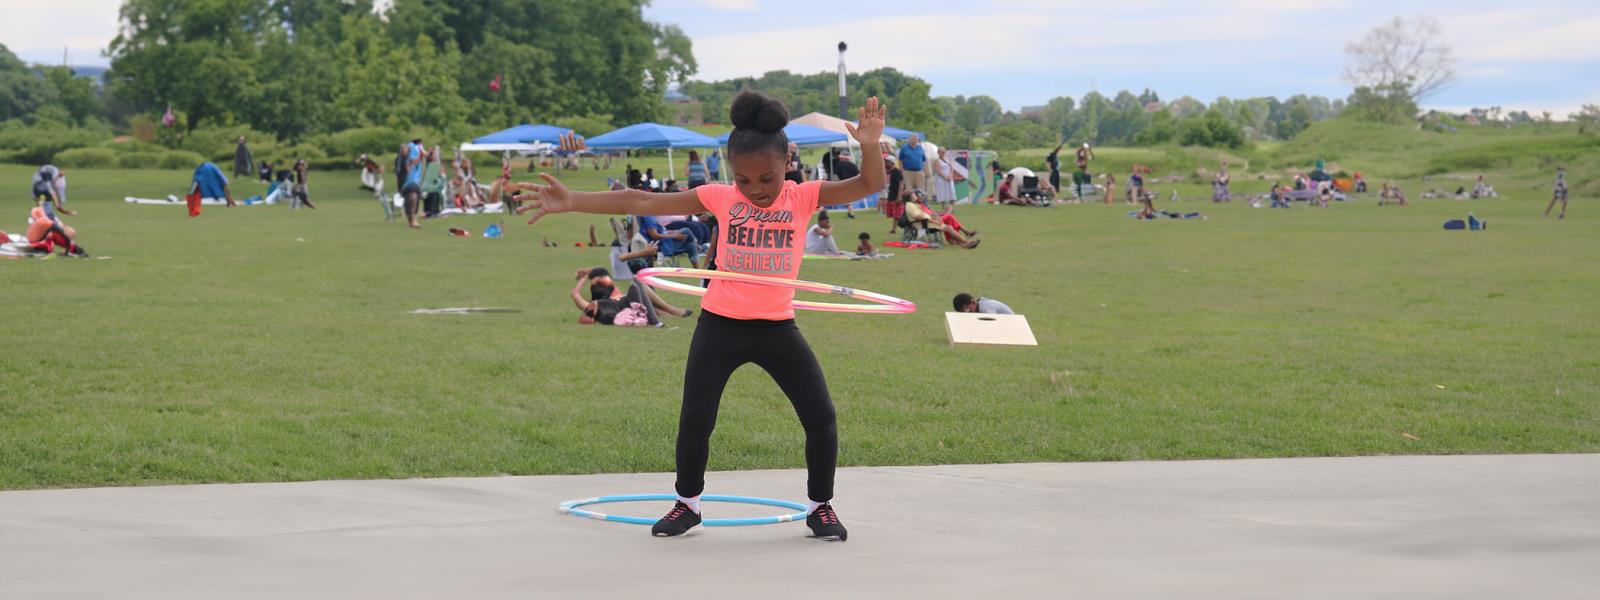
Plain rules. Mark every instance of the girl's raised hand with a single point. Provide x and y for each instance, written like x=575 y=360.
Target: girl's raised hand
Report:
x=871 y=118
x=550 y=198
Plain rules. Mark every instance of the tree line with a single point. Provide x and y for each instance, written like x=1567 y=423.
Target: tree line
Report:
x=980 y=122
x=294 y=68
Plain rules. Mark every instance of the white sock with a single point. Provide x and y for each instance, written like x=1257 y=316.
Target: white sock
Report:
x=811 y=505
x=694 y=503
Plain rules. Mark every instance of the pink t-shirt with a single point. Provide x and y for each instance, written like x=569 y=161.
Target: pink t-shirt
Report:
x=758 y=241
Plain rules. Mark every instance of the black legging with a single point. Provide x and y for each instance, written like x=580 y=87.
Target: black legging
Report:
x=722 y=345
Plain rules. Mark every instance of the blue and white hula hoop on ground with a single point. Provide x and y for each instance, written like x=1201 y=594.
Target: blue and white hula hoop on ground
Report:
x=571 y=507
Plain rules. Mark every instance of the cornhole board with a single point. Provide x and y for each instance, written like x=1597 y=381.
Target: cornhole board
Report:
x=978 y=329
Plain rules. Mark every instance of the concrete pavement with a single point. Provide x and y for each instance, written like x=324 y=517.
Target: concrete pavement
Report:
x=1371 y=527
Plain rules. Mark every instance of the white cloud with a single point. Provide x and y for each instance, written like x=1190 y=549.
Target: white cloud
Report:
x=44 y=27
x=1524 y=35
x=733 y=5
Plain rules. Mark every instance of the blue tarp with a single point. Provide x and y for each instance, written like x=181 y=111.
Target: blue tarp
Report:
x=802 y=135
x=651 y=135
x=526 y=134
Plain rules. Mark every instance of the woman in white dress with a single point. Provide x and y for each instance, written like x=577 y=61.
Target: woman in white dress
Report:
x=944 y=182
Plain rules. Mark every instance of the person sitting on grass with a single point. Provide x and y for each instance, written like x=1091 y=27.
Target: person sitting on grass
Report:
x=1007 y=195
x=1483 y=190
x=1391 y=194
x=819 y=238
x=500 y=189
x=1136 y=191
x=374 y=169
x=46 y=232
x=1280 y=195
x=946 y=223
x=865 y=248
x=966 y=303
x=672 y=240
x=607 y=306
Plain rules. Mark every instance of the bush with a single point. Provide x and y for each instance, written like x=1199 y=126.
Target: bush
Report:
x=181 y=159
x=140 y=160
x=351 y=143
x=218 y=143
x=86 y=158
x=124 y=146
x=39 y=145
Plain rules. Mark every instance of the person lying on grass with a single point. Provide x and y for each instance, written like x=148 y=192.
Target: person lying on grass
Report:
x=967 y=303
x=605 y=304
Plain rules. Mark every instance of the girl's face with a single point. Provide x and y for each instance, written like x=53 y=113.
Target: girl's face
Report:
x=759 y=176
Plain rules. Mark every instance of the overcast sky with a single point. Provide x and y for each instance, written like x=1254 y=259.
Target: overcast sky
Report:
x=1533 y=54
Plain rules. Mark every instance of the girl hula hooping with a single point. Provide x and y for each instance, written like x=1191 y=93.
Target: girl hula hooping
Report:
x=764 y=218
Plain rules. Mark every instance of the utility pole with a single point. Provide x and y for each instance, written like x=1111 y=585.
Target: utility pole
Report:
x=844 y=103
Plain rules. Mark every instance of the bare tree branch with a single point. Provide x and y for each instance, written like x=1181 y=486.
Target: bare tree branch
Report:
x=1402 y=50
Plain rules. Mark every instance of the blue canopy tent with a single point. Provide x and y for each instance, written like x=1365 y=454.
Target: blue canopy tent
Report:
x=903 y=134
x=651 y=135
x=525 y=134
x=802 y=135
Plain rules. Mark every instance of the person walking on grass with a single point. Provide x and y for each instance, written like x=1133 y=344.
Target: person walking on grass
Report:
x=411 y=190
x=764 y=218
x=1559 y=194
x=301 y=193
x=1053 y=162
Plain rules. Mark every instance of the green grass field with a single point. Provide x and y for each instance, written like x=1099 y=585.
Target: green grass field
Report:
x=260 y=344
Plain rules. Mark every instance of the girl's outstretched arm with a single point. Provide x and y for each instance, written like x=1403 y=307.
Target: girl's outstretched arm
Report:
x=552 y=197
x=870 y=180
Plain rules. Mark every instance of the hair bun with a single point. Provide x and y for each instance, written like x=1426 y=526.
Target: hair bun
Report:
x=754 y=110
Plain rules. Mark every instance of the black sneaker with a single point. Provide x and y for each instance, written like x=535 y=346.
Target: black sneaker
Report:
x=680 y=520
x=824 y=524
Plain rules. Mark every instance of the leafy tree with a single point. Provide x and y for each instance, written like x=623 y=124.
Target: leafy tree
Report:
x=1162 y=129
x=1057 y=113
x=195 y=54
x=1297 y=118
x=76 y=95
x=916 y=110
x=1390 y=103
x=1588 y=117
x=21 y=91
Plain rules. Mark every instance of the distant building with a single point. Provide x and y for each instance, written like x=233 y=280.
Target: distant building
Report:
x=682 y=109
x=1029 y=111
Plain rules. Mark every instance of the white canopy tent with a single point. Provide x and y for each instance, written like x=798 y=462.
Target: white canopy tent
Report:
x=834 y=124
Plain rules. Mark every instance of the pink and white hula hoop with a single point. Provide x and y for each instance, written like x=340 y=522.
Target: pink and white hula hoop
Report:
x=882 y=304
